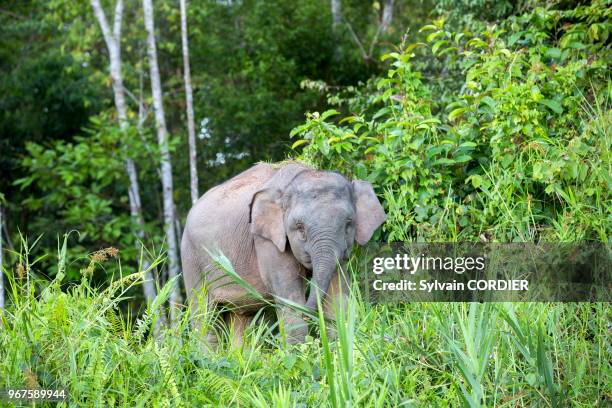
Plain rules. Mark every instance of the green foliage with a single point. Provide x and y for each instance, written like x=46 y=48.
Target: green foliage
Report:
x=255 y=55
x=471 y=11
x=472 y=349
x=80 y=185
x=521 y=151
x=54 y=335
x=249 y=60
x=487 y=125
x=46 y=93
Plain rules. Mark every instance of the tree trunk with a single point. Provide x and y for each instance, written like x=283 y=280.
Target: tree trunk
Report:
x=336 y=12
x=166 y=164
x=193 y=170
x=387 y=15
x=113 y=44
x=1 y=263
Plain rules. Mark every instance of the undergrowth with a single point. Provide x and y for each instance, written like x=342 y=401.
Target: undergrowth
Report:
x=416 y=354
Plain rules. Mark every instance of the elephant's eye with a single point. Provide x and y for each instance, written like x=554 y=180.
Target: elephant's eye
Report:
x=299 y=226
x=349 y=223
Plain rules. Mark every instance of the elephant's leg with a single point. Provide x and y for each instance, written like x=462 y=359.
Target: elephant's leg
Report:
x=238 y=323
x=293 y=323
x=336 y=300
x=282 y=275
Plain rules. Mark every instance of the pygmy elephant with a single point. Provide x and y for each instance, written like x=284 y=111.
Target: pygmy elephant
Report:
x=279 y=225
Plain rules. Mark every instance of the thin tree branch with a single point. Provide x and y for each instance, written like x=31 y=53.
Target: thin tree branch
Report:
x=364 y=55
x=383 y=25
x=374 y=40
x=131 y=96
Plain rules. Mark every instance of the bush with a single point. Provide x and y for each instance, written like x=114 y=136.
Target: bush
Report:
x=519 y=150
x=81 y=186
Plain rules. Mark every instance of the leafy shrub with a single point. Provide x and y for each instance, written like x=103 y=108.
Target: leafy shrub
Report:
x=82 y=185
x=521 y=151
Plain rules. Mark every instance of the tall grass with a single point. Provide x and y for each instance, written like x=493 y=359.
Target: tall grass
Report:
x=421 y=354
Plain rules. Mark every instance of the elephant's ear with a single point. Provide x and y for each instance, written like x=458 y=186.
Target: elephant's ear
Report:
x=370 y=214
x=267 y=217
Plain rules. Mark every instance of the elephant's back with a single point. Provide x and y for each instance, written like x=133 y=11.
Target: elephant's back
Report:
x=219 y=221
x=234 y=193
x=227 y=204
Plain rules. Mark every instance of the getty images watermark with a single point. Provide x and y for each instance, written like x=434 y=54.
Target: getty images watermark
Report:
x=487 y=272
x=460 y=265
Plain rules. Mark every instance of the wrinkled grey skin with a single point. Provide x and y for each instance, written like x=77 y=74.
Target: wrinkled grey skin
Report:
x=279 y=226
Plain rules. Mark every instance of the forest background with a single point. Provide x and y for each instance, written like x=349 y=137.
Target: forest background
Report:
x=475 y=120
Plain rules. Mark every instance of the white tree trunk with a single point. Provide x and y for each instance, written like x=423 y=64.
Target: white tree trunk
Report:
x=193 y=169
x=1 y=263
x=336 y=11
x=387 y=15
x=166 y=164
x=113 y=44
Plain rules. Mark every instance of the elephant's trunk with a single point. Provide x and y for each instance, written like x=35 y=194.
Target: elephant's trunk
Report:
x=324 y=258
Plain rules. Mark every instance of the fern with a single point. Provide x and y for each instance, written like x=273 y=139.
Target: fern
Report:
x=168 y=374
x=115 y=323
x=144 y=323
x=220 y=389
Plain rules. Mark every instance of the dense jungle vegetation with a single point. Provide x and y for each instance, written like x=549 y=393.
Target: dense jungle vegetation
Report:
x=475 y=120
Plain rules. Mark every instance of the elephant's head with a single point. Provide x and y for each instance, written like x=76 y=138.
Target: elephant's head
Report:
x=321 y=214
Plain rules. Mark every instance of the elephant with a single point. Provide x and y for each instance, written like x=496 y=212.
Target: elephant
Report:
x=279 y=225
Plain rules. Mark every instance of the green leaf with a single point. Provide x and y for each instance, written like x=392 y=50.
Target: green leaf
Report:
x=537 y=171
x=553 y=105
x=298 y=143
x=476 y=42
x=463 y=158
x=381 y=112
x=428 y=27
x=289 y=361
x=434 y=151
x=447 y=50
x=413 y=46
x=435 y=35
x=324 y=148
x=490 y=102
x=437 y=46
x=349 y=119
x=444 y=162
x=553 y=53
x=329 y=113
x=430 y=120
x=507 y=160
x=299 y=129
x=476 y=180
x=455 y=113
x=393 y=55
